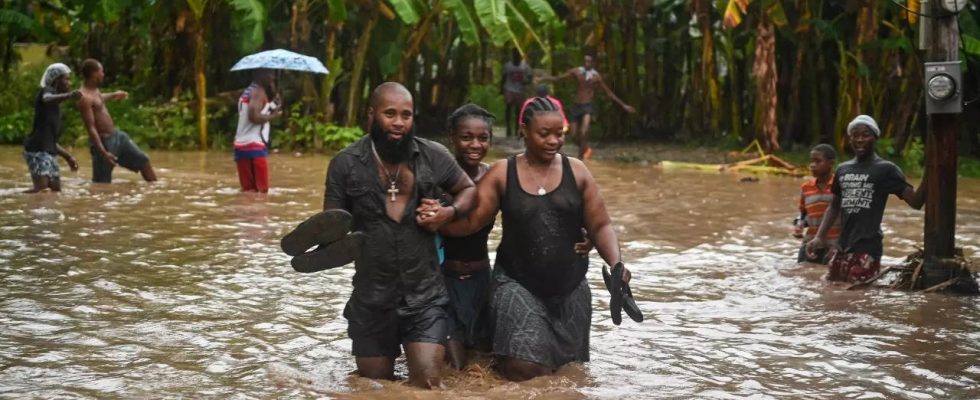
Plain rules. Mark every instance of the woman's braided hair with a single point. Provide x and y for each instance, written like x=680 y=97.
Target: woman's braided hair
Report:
x=469 y=110
x=535 y=106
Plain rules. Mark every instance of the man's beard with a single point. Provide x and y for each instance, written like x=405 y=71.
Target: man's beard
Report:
x=392 y=151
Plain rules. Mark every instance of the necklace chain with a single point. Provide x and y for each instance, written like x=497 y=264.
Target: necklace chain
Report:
x=391 y=180
x=530 y=167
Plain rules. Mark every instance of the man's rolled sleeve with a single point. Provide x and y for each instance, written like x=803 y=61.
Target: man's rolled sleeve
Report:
x=335 y=196
x=446 y=170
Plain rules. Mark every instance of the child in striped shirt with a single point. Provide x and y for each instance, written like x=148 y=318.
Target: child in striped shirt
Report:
x=815 y=197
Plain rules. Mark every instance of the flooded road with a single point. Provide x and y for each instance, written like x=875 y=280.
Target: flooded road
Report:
x=179 y=289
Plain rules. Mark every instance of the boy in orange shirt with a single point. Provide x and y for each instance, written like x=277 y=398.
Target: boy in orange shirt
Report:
x=815 y=197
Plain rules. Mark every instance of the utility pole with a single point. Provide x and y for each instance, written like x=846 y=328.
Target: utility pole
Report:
x=941 y=152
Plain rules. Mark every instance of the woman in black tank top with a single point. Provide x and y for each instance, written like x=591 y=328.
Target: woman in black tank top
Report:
x=467 y=264
x=545 y=198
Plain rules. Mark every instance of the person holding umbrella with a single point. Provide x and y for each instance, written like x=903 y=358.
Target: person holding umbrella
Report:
x=258 y=105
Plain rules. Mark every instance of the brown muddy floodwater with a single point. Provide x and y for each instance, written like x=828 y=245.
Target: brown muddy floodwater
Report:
x=179 y=289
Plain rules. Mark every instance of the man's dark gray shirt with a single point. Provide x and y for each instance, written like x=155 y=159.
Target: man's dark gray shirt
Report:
x=398 y=261
x=861 y=191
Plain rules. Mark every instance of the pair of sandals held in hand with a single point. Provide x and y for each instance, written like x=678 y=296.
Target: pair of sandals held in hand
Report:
x=329 y=231
x=620 y=295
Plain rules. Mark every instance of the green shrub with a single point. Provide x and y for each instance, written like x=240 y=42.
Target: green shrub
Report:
x=886 y=147
x=14 y=127
x=17 y=94
x=166 y=125
x=18 y=90
x=303 y=131
x=488 y=96
x=969 y=167
x=913 y=156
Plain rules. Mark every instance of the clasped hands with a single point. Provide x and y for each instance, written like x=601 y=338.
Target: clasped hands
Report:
x=432 y=215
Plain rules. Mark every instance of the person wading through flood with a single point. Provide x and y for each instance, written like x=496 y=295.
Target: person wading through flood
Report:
x=513 y=85
x=815 y=197
x=861 y=187
x=583 y=110
x=41 y=146
x=399 y=296
x=255 y=110
x=540 y=303
x=467 y=264
x=543 y=90
x=109 y=145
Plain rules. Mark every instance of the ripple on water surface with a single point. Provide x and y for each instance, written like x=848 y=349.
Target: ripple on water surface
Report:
x=133 y=290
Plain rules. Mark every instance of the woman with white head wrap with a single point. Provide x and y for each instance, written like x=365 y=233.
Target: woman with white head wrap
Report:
x=51 y=75
x=41 y=145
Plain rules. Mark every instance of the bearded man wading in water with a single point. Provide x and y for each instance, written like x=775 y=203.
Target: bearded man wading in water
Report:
x=109 y=146
x=583 y=110
x=399 y=296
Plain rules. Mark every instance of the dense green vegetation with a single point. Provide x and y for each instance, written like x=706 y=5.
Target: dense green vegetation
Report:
x=787 y=72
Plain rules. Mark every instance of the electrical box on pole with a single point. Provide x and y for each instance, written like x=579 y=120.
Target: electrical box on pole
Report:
x=943 y=87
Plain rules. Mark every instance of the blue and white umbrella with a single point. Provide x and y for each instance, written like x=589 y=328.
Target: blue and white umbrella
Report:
x=280 y=59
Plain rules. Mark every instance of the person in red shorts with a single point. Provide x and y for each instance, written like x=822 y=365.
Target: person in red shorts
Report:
x=861 y=187
x=256 y=108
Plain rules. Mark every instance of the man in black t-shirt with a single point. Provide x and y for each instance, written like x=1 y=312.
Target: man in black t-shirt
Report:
x=861 y=187
x=41 y=146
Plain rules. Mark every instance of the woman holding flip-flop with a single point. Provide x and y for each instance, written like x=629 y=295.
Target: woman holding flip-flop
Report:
x=540 y=303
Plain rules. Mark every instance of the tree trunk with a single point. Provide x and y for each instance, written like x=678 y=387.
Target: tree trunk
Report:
x=356 y=87
x=327 y=83
x=867 y=25
x=650 y=110
x=438 y=102
x=418 y=35
x=909 y=103
x=607 y=43
x=631 y=68
x=764 y=72
x=844 y=99
x=711 y=103
x=734 y=87
x=795 y=109
x=200 y=81
x=425 y=94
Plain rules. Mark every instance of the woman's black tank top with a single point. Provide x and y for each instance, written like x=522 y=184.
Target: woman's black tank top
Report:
x=537 y=248
x=468 y=248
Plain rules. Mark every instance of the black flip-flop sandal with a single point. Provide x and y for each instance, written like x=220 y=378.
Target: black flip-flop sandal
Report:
x=323 y=228
x=629 y=305
x=614 y=282
x=328 y=256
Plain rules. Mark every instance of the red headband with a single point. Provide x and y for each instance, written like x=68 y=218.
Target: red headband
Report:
x=561 y=110
x=520 y=116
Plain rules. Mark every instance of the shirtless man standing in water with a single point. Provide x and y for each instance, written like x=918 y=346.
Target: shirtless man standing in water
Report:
x=109 y=146
x=582 y=110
